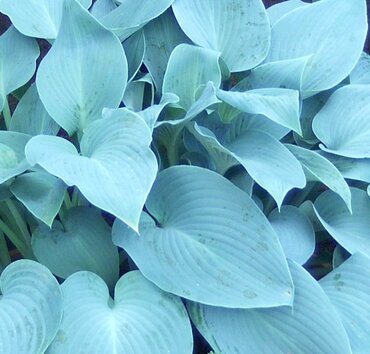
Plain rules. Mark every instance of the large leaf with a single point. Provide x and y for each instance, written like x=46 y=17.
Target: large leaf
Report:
x=267 y=161
x=313 y=326
x=351 y=231
x=12 y=159
x=116 y=168
x=321 y=29
x=189 y=68
x=82 y=242
x=36 y=18
x=18 y=56
x=201 y=238
x=30 y=308
x=162 y=35
x=318 y=168
x=238 y=29
x=130 y=16
x=279 y=105
x=348 y=288
x=295 y=231
x=141 y=318
x=340 y=124
x=30 y=116
x=84 y=71
x=41 y=193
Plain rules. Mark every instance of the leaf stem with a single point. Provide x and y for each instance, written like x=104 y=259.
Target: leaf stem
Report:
x=4 y=252
x=67 y=201
x=6 y=113
x=19 y=220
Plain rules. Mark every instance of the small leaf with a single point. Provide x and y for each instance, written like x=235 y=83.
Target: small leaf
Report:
x=238 y=29
x=116 y=168
x=41 y=193
x=134 y=47
x=349 y=290
x=295 y=231
x=141 y=318
x=84 y=71
x=199 y=240
x=82 y=242
x=277 y=11
x=340 y=124
x=351 y=231
x=30 y=308
x=312 y=326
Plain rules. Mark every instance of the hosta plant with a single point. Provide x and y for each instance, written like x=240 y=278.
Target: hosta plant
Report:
x=184 y=176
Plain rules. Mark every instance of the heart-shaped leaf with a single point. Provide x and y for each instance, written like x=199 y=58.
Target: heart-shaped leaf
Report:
x=141 y=318
x=30 y=308
x=348 y=288
x=295 y=231
x=340 y=124
x=238 y=29
x=40 y=18
x=116 y=168
x=41 y=193
x=84 y=71
x=82 y=242
x=312 y=326
x=188 y=237
x=351 y=231
x=12 y=159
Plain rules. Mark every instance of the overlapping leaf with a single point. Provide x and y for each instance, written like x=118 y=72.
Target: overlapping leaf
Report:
x=312 y=326
x=30 y=308
x=116 y=168
x=201 y=238
x=141 y=318
x=84 y=71
x=238 y=29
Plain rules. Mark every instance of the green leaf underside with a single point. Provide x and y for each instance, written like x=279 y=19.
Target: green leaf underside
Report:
x=83 y=242
x=348 y=289
x=30 y=308
x=84 y=71
x=351 y=231
x=141 y=319
x=312 y=326
x=190 y=250
x=115 y=169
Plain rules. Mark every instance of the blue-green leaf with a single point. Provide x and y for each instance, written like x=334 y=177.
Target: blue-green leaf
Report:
x=18 y=56
x=84 y=71
x=130 y=16
x=277 y=11
x=41 y=193
x=116 y=168
x=141 y=318
x=237 y=29
x=12 y=159
x=321 y=29
x=30 y=116
x=318 y=168
x=340 y=124
x=199 y=239
x=189 y=69
x=134 y=47
x=312 y=326
x=361 y=72
x=295 y=231
x=279 y=105
x=40 y=19
x=30 y=308
x=351 y=231
x=348 y=289
x=82 y=242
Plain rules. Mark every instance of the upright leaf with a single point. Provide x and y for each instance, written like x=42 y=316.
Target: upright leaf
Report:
x=200 y=239
x=30 y=308
x=237 y=29
x=141 y=318
x=312 y=326
x=116 y=168
x=84 y=71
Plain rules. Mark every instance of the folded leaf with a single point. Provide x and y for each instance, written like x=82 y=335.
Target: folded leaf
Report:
x=141 y=318
x=199 y=239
